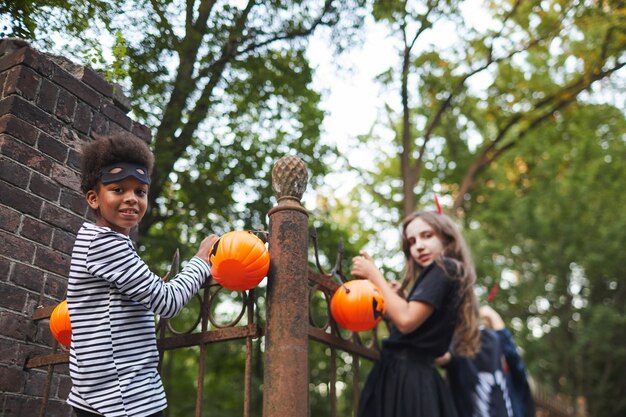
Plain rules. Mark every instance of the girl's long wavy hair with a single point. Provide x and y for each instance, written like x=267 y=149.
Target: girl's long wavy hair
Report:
x=466 y=340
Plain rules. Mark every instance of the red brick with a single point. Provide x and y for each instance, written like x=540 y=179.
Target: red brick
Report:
x=58 y=408
x=73 y=201
x=36 y=230
x=52 y=260
x=115 y=129
x=20 y=200
x=73 y=160
x=26 y=155
x=11 y=379
x=120 y=99
x=99 y=125
x=66 y=177
x=48 y=96
x=63 y=219
x=9 y=219
x=14 y=173
x=63 y=241
x=30 y=113
x=55 y=286
x=82 y=117
x=118 y=116
x=142 y=132
x=76 y=87
x=3 y=77
x=27 y=351
x=43 y=336
x=5 y=269
x=35 y=382
x=19 y=129
x=45 y=188
x=11 y=323
x=53 y=147
x=29 y=57
x=22 y=81
x=71 y=138
x=16 y=248
x=65 y=385
x=20 y=406
x=28 y=277
x=66 y=105
x=93 y=79
x=9 y=353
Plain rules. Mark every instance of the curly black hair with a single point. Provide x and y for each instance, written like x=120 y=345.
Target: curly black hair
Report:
x=107 y=150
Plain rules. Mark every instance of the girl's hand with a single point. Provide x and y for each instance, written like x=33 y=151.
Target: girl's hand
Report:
x=492 y=319
x=205 y=246
x=443 y=360
x=363 y=266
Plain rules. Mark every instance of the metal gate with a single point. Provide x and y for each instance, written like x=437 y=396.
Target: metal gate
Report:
x=289 y=330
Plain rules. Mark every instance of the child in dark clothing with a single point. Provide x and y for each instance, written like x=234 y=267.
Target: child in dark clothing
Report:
x=493 y=383
x=515 y=370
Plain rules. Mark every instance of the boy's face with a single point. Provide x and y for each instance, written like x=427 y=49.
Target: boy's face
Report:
x=120 y=205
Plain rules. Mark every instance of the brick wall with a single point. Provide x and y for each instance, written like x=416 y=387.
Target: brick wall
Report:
x=48 y=107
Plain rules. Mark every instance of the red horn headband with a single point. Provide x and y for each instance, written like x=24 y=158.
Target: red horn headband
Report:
x=439 y=211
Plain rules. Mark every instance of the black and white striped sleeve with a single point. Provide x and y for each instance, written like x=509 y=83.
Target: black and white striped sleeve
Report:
x=112 y=257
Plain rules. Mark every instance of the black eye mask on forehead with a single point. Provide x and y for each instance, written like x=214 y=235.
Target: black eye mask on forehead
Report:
x=121 y=170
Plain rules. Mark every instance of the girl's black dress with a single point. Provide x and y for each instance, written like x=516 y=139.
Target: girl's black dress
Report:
x=405 y=382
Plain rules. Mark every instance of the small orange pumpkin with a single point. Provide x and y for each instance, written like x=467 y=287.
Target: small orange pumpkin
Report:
x=239 y=260
x=357 y=305
x=60 y=325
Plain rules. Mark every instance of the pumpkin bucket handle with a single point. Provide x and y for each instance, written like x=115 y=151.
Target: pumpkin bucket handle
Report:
x=336 y=271
x=213 y=252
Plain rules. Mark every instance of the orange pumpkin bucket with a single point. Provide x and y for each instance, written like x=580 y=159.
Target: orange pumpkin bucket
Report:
x=357 y=305
x=239 y=260
x=60 y=325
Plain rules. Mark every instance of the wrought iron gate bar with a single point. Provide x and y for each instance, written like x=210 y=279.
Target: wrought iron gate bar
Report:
x=321 y=336
x=329 y=333
x=42 y=313
x=325 y=281
x=51 y=359
x=219 y=335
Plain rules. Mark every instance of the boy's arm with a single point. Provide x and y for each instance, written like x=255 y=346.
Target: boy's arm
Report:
x=112 y=257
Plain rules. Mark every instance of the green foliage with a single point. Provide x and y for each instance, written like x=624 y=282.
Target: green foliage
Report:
x=550 y=214
x=504 y=124
x=226 y=91
x=319 y=386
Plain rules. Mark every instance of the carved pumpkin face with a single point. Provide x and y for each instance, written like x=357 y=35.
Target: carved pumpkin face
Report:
x=239 y=260
x=357 y=305
x=60 y=324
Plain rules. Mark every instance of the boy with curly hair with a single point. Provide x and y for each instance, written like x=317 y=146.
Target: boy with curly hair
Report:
x=112 y=294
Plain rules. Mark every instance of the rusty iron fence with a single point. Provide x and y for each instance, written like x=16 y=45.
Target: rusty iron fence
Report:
x=360 y=345
x=205 y=329
x=289 y=329
x=296 y=294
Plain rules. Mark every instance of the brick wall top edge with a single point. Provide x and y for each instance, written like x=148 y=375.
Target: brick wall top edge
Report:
x=19 y=52
x=15 y=52
x=12 y=54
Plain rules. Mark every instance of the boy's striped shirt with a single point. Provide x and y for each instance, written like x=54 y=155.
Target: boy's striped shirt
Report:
x=112 y=298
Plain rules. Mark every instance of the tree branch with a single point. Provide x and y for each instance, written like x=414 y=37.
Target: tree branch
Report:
x=558 y=100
